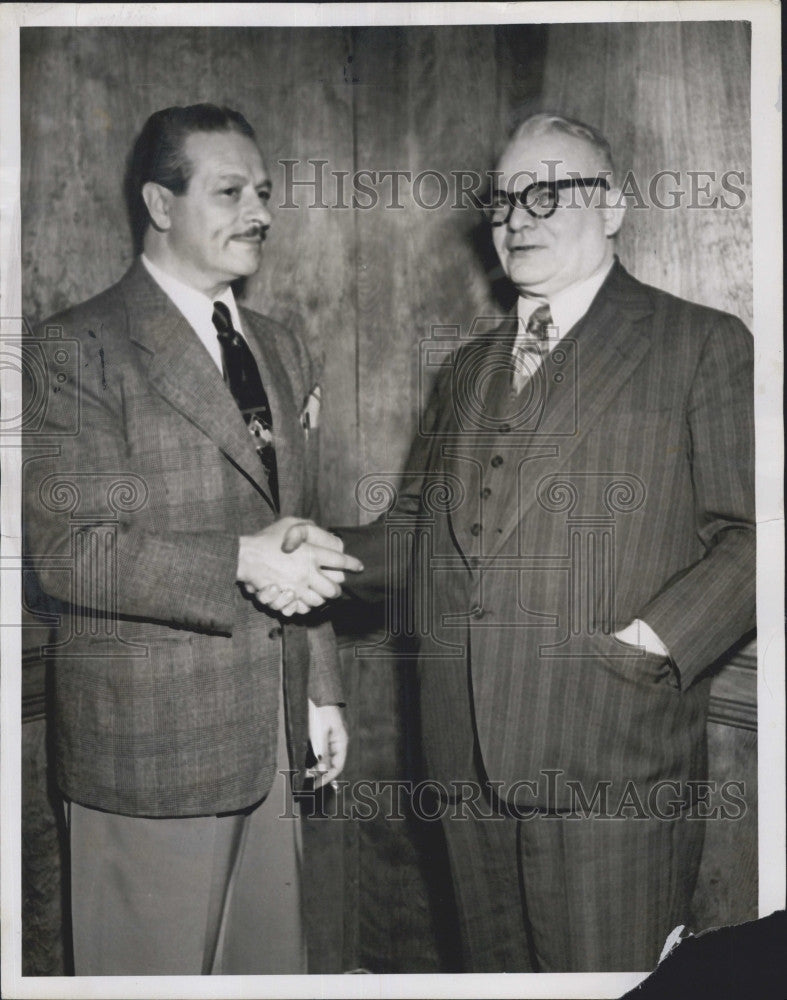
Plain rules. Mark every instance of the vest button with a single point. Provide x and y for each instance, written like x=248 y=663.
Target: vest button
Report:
x=475 y=529
x=497 y=461
x=477 y=611
x=275 y=632
x=486 y=493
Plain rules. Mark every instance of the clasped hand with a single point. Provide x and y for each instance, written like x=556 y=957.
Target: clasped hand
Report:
x=293 y=565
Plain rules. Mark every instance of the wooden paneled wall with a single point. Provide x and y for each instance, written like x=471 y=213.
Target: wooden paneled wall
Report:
x=362 y=286
x=366 y=286
x=670 y=97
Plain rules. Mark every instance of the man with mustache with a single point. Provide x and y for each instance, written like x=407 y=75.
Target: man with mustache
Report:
x=179 y=698
x=582 y=497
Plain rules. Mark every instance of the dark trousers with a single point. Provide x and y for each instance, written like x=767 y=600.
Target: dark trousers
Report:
x=553 y=894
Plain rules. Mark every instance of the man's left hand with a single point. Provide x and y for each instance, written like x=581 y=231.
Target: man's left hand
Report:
x=329 y=740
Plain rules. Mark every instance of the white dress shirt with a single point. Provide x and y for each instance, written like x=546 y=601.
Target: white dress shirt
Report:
x=567 y=306
x=196 y=307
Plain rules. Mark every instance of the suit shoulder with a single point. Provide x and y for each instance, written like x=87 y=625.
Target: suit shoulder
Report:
x=263 y=325
x=290 y=347
x=689 y=316
x=85 y=320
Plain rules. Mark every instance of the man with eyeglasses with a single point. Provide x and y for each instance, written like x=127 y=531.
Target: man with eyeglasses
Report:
x=590 y=555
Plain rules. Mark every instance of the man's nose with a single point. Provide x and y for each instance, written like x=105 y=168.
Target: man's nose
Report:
x=256 y=210
x=520 y=218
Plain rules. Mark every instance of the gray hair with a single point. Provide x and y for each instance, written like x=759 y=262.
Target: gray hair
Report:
x=546 y=121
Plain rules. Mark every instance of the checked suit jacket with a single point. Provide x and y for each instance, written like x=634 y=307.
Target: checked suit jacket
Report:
x=137 y=486
x=617 y=485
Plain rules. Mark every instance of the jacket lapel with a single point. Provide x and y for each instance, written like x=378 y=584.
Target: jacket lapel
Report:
x=184 y=374
x=288 y=435
x=607 y=345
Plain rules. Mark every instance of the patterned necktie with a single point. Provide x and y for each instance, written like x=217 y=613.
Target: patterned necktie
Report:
x=530 y=349
x=243 y=378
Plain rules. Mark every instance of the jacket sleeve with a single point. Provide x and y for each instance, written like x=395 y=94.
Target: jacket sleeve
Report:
x=383 y=575
x=711 y=604
x=91 y=521
x=325 y=686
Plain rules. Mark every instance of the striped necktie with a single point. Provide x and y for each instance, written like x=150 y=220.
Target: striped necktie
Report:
x=530 y=349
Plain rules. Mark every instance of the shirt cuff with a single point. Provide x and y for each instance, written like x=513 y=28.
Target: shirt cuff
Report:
x=639 y=633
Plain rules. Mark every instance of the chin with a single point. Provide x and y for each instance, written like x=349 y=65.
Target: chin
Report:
x=244 y=265
x=526 y=277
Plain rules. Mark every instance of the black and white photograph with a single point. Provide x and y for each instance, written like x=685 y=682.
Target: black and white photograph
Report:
x=392 y=454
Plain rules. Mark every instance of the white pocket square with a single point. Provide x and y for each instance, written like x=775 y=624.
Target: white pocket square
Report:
x=310 y=415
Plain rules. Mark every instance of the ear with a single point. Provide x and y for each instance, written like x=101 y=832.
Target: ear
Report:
x=614 y=208
x=158 y=200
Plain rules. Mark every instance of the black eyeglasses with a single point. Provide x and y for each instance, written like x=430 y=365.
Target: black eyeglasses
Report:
x=539 y=200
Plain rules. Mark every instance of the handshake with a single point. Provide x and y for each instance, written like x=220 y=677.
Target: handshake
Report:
x=293 y=565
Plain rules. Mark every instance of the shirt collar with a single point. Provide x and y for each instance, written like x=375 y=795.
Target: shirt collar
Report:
x=195 y=306
x=567 y=306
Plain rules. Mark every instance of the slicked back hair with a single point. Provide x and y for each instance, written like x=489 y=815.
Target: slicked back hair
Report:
x=159 y=154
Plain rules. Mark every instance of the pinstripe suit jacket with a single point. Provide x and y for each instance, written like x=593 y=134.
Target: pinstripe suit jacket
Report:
x=166 y=674
x=619 y=485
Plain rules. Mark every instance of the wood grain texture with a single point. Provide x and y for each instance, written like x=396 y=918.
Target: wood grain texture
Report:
x=44 y=904
x=733 y=695
x=365 y=287
x=669 y=97
x=726 y=890
x=425 y=100
x=362 y=286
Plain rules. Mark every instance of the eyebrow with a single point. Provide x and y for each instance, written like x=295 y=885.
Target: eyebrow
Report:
x=241 y=179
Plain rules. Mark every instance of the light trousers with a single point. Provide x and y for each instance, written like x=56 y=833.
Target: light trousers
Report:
x=189 y=896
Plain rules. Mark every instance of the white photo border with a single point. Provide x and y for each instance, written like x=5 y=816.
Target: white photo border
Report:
x=767 y=328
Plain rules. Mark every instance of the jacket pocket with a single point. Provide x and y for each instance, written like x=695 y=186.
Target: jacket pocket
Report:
x=631 y=663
